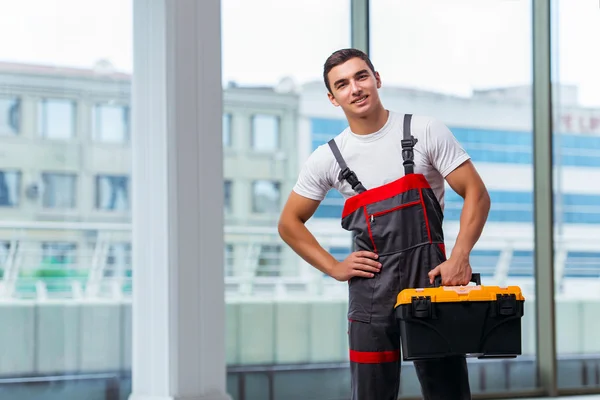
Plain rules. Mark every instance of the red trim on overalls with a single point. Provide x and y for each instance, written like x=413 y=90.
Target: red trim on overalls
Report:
x=374 y=357
x=401 y=185
x=443 y=248
x=425 y=214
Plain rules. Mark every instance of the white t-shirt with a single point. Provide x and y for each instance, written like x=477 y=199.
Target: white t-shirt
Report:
x=377 y=158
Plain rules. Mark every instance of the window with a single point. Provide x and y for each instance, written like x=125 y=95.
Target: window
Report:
x=4 y=254
x=265 y=132
x=227 y=195
x=508 y=206
x=57 y=268
x=265 y=197
x=226 y=130
x=10 y=116
x=340 y=253
x=52 y=74
x=59 y=253
x=324 y=129
x=576 y=158
x=56 y=118
x=266 y=107
x=229 y=259
x=10 y=188
x=269 y=262
x=111 y=123
x=112 y=192
x=59 y=190
x=440 y=68
x=118 y=260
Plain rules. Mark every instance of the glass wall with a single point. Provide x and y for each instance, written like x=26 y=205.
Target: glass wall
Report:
x=461 y=63
x=277 y=320
x=65 y=265
x=576 y=108
x=65 y=185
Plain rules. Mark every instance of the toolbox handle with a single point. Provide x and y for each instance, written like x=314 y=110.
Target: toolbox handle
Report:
x=475 y=278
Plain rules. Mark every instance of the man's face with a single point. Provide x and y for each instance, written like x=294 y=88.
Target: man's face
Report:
x=354 y=87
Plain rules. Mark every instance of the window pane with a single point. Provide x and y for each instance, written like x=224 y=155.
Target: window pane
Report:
x=265 y=132
x=10 y=116
x=264 y=94
x=118 y=261
x=265 y=197
x=227 y=200
x=269 y=261
x=227 y=130
x=112 y=192
x=10 y=188
x=57 y=265
x=111 y=123
x=576 y=140
x=60 y=190
x=57 y=118
x=65 y=266
x=435 y=60
x=229 y=259
x=4 y=255
x=59 y=253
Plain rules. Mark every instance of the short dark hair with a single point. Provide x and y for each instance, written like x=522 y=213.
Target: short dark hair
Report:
x=340 y=57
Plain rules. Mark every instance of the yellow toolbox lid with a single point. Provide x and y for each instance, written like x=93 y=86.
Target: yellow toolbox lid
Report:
x=448 y=294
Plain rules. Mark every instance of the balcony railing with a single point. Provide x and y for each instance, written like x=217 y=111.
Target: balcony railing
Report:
x=43 y=260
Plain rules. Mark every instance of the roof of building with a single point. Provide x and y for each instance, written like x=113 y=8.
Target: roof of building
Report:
x=102 y=70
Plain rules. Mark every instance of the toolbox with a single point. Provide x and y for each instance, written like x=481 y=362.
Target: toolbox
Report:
x=474 y=321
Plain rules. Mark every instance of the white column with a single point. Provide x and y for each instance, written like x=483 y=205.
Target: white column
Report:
x=178 y=283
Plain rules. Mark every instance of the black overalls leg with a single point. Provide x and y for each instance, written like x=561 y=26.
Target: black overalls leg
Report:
x=402 y=222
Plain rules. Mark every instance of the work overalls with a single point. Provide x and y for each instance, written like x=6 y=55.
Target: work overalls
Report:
x=402 y=222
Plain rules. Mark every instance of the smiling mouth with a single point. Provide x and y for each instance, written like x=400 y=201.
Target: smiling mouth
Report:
x=360 y=100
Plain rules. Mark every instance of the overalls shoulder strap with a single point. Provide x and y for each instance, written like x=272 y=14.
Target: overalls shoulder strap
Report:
x=346 y=173
x=408 y=142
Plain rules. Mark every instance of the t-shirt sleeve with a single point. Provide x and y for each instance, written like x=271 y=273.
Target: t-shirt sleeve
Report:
x=445 y=152
x=313 y=181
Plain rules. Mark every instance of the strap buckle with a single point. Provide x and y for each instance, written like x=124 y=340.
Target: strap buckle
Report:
x=406 y=143
x=407 y=148
x=408 y=154
x=350 y=177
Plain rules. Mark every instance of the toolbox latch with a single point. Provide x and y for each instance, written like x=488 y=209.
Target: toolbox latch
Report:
x=506 y=304
x=421 y=306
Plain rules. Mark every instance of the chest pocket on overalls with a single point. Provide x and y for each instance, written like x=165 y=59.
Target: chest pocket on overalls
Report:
x=398 y=223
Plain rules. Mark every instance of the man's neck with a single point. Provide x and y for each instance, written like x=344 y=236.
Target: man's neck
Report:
x=369 y=124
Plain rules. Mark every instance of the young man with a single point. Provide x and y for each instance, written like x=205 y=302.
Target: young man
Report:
x=390 y=168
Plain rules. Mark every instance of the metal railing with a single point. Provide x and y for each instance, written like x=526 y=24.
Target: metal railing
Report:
x=44 y=260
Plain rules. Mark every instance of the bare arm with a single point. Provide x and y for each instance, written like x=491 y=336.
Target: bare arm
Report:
x=292 y=229
x=296 y=212
x=465 y=181
x=468 y=184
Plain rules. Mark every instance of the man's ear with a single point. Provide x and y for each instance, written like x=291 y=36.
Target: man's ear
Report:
x=378 y=79
x=332 y=99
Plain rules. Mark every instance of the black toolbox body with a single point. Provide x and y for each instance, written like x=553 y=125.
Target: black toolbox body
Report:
x=474 y=321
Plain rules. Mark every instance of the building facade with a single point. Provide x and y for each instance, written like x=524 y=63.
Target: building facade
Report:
x=64 y=169
x=65 y=180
